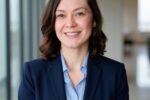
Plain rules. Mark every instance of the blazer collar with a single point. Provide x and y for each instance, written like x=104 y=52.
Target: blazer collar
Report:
x=57 y=80
x=93 y=78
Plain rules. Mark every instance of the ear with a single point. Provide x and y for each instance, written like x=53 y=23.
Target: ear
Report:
x=94 y=24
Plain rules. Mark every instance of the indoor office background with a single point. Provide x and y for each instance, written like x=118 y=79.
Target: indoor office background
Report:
x=19 y=41
x=126 y=24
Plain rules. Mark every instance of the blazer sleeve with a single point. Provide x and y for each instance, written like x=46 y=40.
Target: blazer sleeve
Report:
x=26 y=89
x=122 y=85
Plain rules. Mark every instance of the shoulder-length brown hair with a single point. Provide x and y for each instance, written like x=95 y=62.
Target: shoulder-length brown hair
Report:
x=50 y=45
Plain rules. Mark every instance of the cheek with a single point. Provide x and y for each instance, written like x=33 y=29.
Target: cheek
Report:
x=86 y=24
x=58 y=29
x=58 y=26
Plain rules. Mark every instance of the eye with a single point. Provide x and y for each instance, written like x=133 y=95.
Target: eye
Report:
x=60 y=16
x=80 y=14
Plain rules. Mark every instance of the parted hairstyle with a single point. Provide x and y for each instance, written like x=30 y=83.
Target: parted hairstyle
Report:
x=50 y=45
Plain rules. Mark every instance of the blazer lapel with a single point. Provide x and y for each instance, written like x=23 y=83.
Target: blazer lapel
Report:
x=93 y=78
x=57 y=79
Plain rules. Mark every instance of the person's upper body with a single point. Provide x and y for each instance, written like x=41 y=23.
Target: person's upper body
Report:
x=72 y=65
x=43 y=80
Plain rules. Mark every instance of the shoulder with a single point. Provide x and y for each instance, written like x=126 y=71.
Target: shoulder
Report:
x=112 y=70
x=35 y=66
x=100 y=59
x=113 y=74
x=106 y=60
x=108 y=64
x=37 y=62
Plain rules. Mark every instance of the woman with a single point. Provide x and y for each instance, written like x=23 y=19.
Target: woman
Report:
x=72 y=66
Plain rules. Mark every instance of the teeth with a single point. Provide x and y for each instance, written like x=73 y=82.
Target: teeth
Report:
x=72 y=33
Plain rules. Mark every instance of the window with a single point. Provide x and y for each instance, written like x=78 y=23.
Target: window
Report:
x=19 y=41
x=144 y=15
x=3 y=74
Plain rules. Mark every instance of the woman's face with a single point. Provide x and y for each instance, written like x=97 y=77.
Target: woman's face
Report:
x=73 y=24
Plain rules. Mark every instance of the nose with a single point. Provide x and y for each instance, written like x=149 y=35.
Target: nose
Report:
x=70 y=22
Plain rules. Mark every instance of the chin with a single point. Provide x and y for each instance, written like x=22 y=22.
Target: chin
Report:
x=71 y=46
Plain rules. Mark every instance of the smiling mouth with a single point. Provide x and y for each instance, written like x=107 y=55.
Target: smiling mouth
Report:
x=73 y=34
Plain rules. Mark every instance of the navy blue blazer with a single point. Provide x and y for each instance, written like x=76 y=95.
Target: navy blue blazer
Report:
x=43 y=80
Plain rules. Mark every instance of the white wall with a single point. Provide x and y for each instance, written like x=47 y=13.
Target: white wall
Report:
x=112 y=11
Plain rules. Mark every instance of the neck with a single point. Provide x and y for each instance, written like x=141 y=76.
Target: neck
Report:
x=74 y=57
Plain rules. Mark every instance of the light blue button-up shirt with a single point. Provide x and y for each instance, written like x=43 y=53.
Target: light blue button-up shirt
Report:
x=76 y=93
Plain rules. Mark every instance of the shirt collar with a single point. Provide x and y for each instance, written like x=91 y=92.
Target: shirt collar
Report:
x=84 y=64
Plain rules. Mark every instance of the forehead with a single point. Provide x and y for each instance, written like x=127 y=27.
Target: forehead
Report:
x=72 y=4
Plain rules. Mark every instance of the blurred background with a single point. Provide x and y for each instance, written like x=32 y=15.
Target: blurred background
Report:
x=126 y=24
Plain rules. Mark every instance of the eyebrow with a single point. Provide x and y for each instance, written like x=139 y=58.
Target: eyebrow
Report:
x=80 y=8
x=73 y=10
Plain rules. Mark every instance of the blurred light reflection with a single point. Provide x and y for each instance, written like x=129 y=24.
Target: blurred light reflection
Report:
x=143 y=70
